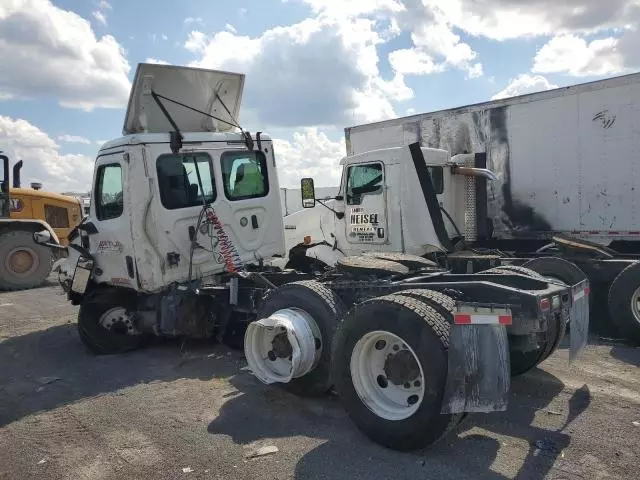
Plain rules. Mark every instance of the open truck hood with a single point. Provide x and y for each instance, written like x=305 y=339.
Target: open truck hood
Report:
x=194 y=87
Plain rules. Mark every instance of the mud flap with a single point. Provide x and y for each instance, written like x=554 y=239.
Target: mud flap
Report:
x=479 y=375
x=579 y=332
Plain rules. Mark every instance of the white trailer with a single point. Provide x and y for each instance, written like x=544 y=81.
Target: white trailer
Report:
x=566 y=159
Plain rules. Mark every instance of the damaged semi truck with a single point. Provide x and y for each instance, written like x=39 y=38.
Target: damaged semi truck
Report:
x=185 y=219
x=564 y=188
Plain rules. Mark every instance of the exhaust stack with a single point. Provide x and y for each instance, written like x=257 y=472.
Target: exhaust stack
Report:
x=16 y=174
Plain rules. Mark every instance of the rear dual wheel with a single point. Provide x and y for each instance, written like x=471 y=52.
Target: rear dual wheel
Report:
x=390 y=361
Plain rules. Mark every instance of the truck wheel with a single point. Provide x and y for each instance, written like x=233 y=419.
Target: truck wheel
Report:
x=105 y=323
x=413 y=262
x=390 y=365
x=23 y=263
x=558 y=268
x=624 y=302
x=363 y=266
x=322 y=310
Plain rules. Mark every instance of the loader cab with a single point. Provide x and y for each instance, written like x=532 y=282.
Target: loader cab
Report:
x=163 y=213
x=5 y=204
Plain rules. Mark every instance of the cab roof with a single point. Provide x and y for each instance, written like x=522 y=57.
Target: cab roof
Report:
x=190 y=139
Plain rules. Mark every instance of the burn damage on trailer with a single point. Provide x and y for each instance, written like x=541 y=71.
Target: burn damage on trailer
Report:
x=483 y=132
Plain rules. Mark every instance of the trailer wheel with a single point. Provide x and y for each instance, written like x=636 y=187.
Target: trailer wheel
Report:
x=23 y=263
x=624 y=302
x=390 y=365
x=364 y=266
x=269 y=355
x=412 y=262
x=105 y=323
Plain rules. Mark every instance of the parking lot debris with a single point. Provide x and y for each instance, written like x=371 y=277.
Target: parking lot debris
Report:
x=637 y=424
x=187 y=470
x=262 y=451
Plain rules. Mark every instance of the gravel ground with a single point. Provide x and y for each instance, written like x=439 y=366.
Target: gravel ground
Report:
x=193 y=411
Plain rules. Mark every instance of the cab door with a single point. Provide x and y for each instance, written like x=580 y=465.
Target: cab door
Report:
x=108 y=226
x=366 y=205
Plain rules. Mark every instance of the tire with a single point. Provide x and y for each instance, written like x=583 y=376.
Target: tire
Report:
x=364 y=266
x=621 y=294
x=514 y=269
x=412 y=262
x=19 y=246
x=93 y=335
x=426 y=333
x=327 y=309
x=556 y=267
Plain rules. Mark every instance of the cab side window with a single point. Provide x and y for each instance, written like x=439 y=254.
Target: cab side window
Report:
x=178 y=180
x=244 y=175
x=109 y=192
x=363 y=180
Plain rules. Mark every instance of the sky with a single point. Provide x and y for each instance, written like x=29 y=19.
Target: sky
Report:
x=313 y=67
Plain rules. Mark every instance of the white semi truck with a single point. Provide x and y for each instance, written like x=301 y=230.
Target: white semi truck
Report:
x=185 y=215
x=567 y=184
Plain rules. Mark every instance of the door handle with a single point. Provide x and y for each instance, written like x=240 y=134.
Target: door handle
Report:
x=254 y=221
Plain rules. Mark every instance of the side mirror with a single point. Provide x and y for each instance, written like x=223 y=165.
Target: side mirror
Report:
x=308 y=192
x=43 y=237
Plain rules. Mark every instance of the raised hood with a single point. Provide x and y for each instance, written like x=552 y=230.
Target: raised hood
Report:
x=194 y=87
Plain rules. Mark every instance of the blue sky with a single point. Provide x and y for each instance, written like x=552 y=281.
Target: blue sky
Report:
x=313 y=66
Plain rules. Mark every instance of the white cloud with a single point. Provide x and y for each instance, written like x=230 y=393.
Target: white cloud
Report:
x=164 y=37
x=99 y=16
x=573 y=55
x=190 y=20
x=74 y=139
x=156 y=61
x=43 y=162
x=523 y=84
x=104 y=5
x=51 y=52
x=321 y=71
x=413 y=61
x=230 y=28
x=311 y=154
x=242 y=12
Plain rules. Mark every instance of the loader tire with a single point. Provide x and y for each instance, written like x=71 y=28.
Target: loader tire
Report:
x=624 y=302
x=104 y=325
x=365 y=266
x=422 y=336
x=23 y=263
x=327 y=309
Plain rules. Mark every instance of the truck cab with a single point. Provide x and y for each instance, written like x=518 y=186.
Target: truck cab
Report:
x=383 y=205
x=173 y=171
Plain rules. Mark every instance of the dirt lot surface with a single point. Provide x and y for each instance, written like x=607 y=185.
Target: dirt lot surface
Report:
x=167 y=412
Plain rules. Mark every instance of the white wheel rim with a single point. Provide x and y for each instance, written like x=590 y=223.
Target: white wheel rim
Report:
x=395 y=393
x=117 y=320
x=295 y=354
x=635 y=304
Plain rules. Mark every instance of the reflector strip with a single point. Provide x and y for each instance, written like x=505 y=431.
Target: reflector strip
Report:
x=481 y=319
x=581 y=293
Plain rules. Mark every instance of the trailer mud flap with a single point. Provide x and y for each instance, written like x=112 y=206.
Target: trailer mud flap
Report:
x=579 y=332
x=479 y=375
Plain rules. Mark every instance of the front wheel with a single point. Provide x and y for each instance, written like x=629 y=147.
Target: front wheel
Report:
x=390 y=364
x=106 y=324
